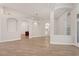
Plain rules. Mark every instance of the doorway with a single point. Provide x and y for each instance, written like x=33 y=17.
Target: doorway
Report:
x=24 y=30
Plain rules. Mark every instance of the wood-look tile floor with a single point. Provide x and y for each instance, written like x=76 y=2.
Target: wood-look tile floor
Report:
x=36 y=47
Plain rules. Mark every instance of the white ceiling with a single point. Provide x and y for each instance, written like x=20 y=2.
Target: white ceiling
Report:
x=30 y=8
x=41 y=10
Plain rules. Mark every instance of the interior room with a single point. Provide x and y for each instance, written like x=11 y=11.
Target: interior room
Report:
x=39 y=29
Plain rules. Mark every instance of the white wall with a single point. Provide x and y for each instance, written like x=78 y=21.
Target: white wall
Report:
x=62 y=38
x=73 y=26
x=11 y=30
x=0 y=27
x=51 y=26
x=24 y=26
x=74 y=18
x=37 y=28
x=7 y=32
x=60 y=24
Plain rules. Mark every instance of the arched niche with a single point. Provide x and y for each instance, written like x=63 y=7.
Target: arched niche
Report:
x=11 y=24
x=63 y=5
x=62 y=21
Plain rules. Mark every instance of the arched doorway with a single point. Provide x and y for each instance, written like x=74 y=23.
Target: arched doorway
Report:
x=25 y=29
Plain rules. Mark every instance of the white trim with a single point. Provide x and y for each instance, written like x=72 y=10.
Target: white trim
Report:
x=10 y=40
x=37 y=36
x=60 y=43
x=75 y=45
x=75 y=34
x=62 y=40
x=78 y=45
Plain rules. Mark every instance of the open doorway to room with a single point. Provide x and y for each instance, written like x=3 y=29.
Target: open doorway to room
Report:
x=24 y=29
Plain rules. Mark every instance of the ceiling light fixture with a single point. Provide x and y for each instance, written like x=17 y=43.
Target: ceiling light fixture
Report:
x=35 y=23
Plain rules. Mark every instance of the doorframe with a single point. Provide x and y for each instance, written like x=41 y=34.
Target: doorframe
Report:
x=76 y=43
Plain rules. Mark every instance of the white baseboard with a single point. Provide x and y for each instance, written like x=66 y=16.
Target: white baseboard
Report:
x=10 y=40
x=78 y=45
x=60 y=43
x=37 y=36
x=61 y=40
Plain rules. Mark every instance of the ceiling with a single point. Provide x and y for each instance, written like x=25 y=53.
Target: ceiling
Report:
x=38 y=10
x=31 y=9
